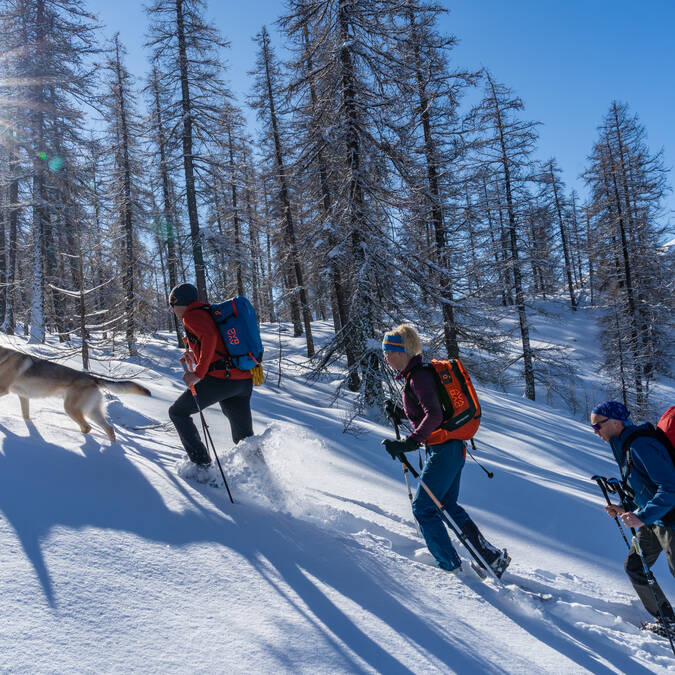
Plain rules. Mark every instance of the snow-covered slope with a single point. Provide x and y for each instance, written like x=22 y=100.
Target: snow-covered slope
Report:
x=111 y=562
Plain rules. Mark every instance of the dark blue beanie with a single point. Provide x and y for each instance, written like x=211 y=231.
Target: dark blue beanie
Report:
x=613 y=410
x=183 y=295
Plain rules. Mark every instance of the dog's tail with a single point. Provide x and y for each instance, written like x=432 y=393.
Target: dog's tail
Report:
x=122 y=386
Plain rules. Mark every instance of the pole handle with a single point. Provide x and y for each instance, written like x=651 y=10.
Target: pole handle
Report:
x=605 y=485
x=183 y=360
x=601 y=480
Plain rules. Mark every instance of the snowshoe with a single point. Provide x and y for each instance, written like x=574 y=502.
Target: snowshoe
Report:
x=478 y=569
x=500 y=563
x=200 y=473
x=657 y=626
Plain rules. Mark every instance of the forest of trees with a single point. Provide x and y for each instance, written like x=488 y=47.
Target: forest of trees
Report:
x=371 y=193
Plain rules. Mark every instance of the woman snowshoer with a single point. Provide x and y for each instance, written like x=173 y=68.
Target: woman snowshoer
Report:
x=445 y=456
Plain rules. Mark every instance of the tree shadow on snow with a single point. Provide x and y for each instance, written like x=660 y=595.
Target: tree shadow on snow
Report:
x=44 y=486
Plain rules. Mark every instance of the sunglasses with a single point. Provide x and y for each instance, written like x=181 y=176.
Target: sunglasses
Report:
x=597 y=427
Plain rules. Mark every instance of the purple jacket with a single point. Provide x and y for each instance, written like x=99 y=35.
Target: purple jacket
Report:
x=424 y=412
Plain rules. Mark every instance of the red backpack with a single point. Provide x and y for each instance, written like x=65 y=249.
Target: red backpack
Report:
x=667 y=424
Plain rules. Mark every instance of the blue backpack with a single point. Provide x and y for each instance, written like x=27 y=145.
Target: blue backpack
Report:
x=238 y=325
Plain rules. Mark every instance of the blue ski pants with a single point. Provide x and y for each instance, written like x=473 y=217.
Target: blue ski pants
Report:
x=441 y=474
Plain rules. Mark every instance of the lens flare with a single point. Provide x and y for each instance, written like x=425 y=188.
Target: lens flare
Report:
x=55 y=164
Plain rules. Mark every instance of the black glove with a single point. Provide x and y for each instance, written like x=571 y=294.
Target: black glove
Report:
x=395 y=448
x=393 y=411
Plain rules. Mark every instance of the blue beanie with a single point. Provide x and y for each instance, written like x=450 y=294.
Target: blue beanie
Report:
x=183 y=295
x=613 y=410
x=391 y=342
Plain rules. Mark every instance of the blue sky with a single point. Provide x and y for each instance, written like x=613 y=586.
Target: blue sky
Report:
x=567 y=59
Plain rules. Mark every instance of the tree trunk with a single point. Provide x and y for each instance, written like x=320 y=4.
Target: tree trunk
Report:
x=435 y=204
x=589 y=253
x=630 y=298
x=127 y=215
x=338 y=303
x=361 y=319
x=8 y=323
x=167 y=227
x=528 y=365
x=286 y=204
x=219 y=189
x=188 y=163
x=495 y=250
x=235 y=217
x=506 y=263
x=563 y=239
x=252 y=218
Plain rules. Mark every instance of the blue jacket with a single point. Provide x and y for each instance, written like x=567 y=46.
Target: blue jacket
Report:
x=652 y=475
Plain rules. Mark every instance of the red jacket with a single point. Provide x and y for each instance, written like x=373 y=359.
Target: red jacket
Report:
x=206 y=343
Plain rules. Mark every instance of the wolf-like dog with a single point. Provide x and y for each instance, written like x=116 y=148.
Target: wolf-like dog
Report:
x=32 y=377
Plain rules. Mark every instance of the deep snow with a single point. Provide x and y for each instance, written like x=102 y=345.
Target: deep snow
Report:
x=110 y=561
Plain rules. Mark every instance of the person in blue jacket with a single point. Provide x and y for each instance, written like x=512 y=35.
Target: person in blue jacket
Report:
x=650 y=474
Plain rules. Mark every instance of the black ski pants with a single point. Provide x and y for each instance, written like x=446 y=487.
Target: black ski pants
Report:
x=653 y=539
x=234 y=397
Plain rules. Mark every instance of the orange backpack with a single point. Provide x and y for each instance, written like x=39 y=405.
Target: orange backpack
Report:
x=459 y=402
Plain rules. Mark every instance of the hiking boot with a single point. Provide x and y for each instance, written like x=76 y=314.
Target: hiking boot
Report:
x=500 y=563
x=659 y=628
x=489 y=552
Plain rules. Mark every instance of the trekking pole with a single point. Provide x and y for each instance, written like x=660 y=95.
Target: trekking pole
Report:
x=450 y=522
x=205 y=426
x=407 y=481
x=615 y=486
x=473 y=445
x=602 y=484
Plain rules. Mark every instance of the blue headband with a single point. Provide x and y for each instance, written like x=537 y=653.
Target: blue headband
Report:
x=391 y=342
x=613 y=410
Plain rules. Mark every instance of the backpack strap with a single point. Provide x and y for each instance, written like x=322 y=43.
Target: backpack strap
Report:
x=626 y=447
x=225 y=361
x=650 y=431
x=659 y=435
x=443 y=398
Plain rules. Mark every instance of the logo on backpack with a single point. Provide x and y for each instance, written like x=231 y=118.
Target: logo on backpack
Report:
x=232 y=338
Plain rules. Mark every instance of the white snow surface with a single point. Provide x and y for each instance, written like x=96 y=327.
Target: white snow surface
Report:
x=112 y=562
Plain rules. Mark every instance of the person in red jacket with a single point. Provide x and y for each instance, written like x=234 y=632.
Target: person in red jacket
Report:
x=215 y=378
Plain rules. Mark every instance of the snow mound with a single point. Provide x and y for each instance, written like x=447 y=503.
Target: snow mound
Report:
x=264 y=468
